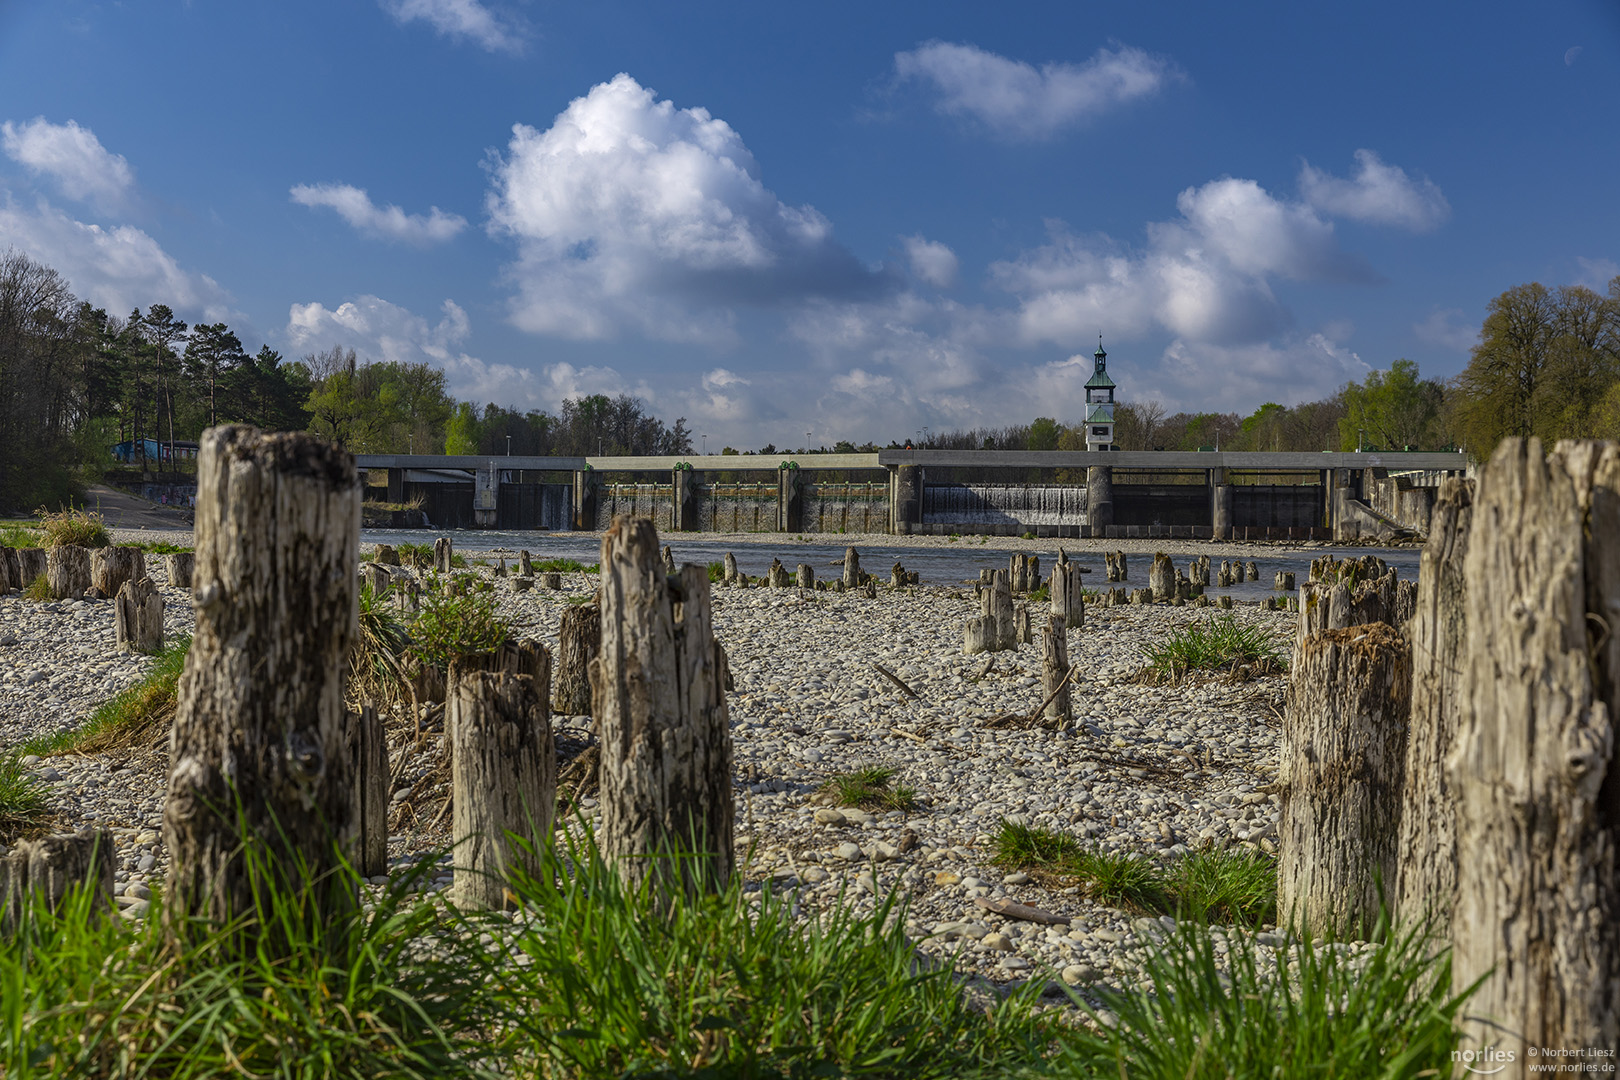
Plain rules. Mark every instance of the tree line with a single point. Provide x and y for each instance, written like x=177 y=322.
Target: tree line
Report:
x=76 y=382
x=1547 y=364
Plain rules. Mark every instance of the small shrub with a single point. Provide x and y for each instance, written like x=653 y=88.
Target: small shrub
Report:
x=717 y=572
x=1027 y=536
x=22 y=798
x=38 y=590
x=450 y=625
x=418 y=556
x=82 y=527
x=1211 y=646
x=869 y=789
x=1042 y=595
x=377 y=662
x=135 y=718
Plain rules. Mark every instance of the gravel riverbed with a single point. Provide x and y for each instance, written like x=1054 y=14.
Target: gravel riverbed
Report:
x=1146 y=769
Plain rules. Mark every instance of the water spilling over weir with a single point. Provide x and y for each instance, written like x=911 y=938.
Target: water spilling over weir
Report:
x=1005 y=504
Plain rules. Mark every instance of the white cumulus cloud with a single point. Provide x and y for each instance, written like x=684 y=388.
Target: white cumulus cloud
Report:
x=1449 y=329
x=630 y=212
x=932 y=261
x=462 y=20
x=1205 y=276
x=355 y=206
x=70 y=155
x=1016 y=100
x=1379 y=193
x=118 y=268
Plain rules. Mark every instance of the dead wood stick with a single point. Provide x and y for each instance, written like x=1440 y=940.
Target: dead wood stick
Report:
x=1056 y=690
x=892 y=677
x=908 y=734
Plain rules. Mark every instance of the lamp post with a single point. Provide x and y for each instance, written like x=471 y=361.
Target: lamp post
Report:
x=509 y=446
x=705 y=439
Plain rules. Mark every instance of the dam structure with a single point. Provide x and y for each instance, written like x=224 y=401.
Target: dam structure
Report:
x=1219 y=495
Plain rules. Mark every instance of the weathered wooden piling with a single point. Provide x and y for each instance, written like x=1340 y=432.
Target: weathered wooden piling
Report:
x=1055 y=673
x=504 y=777
x=1341 y=767
x=110 y=567
x=1162 y=577
x=257 y=748
x=67 y=569
x=367 y=751
x=852 y=568
x=443 y=555
x=658 y=697
x=181 y=565
x=1533 y=767
x=40 y=873
x=138 y=617
x=579 y=638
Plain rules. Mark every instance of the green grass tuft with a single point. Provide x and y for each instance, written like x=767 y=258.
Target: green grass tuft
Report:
x=136 y=717
x=1224 y=886
x=869 y=788
x=1387 y=1011
x=38 y=590
x=86 y=528
x=1213 y=645
x=565 y=566
x=22 y=798
x=717 y=572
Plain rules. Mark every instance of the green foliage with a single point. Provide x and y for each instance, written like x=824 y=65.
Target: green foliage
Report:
x=159 y=547
x=22 y=798
x=450 y=625
x=1044 y=434
x=1225 y=886
x=38 y=590
x=869 y=788
x=717 y=572
x=566 y=566
x=17 y=535
x=135 y=718
x=461 y=433
x=1294 y=1013
x=1212 y=645
x=1391 y=409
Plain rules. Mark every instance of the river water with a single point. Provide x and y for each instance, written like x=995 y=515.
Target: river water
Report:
x=946 y=565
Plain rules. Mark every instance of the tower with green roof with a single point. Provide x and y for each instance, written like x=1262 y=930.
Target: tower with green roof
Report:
x=1100 y=404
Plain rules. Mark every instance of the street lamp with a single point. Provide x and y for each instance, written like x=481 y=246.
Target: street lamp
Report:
x=705 y=439
x=807 y=442
x=509 y=446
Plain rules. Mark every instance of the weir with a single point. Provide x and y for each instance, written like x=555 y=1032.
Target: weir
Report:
x=1193 y=495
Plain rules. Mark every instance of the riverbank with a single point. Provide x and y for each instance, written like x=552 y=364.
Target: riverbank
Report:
x=1146 y=770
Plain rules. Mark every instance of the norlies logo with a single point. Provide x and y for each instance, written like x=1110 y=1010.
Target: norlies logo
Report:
x=1487 y=1061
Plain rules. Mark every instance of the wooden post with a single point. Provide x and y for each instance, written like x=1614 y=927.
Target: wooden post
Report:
x=1162 y=577
x=181 y=565
x=257 y=745
x=1343 y=755
x=67 y=567
x=1427 y=877
x=997 y=608
x=40 y=872
x=8 y=570
x=504 y=781
x=525 y=564
x=1055 y=673
x=1252 y=571
x=1068 y=601
x=852 y=568
x=138 y=617
x=668 y=555
x=806 y=576
x=368 y=765
x=777 y=576
x=579 y=639
x=1533 y=769
x=385 y=555
x=1021 y=630
x=376 y=576
x=110 y=567
x=443 y=555
x=658 y=696
x=977 y=635
x=551 y=579
x=731 y=572
x=31 y=563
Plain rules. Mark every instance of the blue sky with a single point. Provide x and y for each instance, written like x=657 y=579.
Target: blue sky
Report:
x=854 y=219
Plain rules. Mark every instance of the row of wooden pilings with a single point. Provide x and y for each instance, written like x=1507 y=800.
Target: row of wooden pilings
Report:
x=1449 y=747
x=263 y=752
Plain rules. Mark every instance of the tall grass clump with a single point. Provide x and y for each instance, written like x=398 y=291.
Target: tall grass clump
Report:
x=39 y=590
x=86 y=528
x=620 y=981
x=22 y=798
x=450 y=625
x=135 y=718
x=377 y=661
x=1301 y=1010
x=1216 y=644
x=565 y=566
x=398 y=990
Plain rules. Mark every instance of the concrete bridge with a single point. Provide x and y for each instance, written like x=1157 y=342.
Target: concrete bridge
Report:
x=1190 y=494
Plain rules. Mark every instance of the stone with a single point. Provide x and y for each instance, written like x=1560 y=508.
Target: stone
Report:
x=828 y=816
x=849 y=852
x=997 y=941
